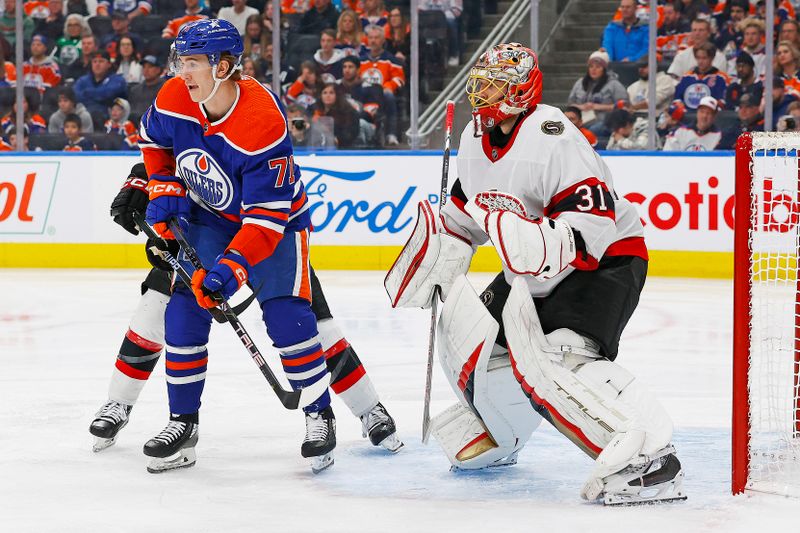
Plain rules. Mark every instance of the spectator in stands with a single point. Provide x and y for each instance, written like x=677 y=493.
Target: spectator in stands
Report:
x=266 y=17
x=98 y=89
x=292 y=7
x=75 y=141
x=237 y=14
x=380 y=68
x=6 y=71
x=452 y=11
x=83 y=65
x=131 y=8
x=349 y=37
x=374 y=13
x=597 y=92
x=626 y=133
x=68 y=47
x=781 y=100
x=626 y=39
x=575 y=116
x=329 y=58
x=787 y=61
x=673 y=32
x=8 y=28
x=52 y=24
x=41 y=71
x=193 y=11
x=249 y=67
x=12 y=140
x=256 y=38
x=67 y=105
x=685 y=60
x=33 y=122
x=298 y=125
x=746 y=82
x=398 y=35
x=703 y=80
x=332 y=103
x=729 y=36
x=127 y=62
x=287 y=74
x=118 y=123
x=637 y=91
x=702 y=136
x=142 y=94
x=691 y=9
x=790 y=31
x=750 y=119
x=753 y=31
x=322 y=17
x=305 y=90
x=790 y=121
x=671 y=119
x=121 y=26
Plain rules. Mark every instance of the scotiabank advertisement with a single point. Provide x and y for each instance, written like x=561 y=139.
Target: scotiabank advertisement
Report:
x=685 y=202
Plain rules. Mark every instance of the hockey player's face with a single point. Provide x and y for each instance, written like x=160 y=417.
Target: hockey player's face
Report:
x=484 y=92
x=196 y=73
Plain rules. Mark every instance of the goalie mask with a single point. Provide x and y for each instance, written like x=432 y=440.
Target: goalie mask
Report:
x=504 y=82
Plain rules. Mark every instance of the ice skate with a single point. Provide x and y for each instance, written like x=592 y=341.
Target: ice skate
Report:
x=320 y=439
x=109 y=420
x=172 y=448
x=653 y=480
x=379 y=426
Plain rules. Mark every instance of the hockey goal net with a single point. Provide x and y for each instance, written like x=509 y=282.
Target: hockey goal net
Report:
x=766 y=365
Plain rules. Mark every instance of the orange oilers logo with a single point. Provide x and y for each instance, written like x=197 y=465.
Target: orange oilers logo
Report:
x=205 y=178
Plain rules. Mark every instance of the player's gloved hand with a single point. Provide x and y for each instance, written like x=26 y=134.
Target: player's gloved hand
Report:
x=223 y=280
x=154 y=249
x=131 y=198
x=167 y=201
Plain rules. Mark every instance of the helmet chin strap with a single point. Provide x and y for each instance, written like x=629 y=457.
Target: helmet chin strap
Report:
x=218 y=81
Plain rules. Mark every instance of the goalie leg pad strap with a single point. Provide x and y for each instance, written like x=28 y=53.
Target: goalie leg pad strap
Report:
x=484 y=384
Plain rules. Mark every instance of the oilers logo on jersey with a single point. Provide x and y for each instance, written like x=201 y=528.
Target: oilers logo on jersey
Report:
x=205 y=177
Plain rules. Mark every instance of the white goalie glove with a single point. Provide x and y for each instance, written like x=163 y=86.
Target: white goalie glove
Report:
x=542 y=247
x=431 y=258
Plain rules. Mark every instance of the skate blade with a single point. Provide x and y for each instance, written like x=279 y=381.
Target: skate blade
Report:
x=183 y=459
x=101 y=444
x=671 y=491
x=392 y=443
x=509 y=461
x=321 y=462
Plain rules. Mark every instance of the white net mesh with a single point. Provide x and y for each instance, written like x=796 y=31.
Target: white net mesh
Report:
x=775 y=315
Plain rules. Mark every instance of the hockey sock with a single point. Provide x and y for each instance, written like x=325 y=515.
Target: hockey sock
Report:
x=349 y=380
x=140 y=350
x=304 y=365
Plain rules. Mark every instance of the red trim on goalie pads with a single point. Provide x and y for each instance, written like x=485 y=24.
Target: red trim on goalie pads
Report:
x=469 y=367
x=482 y=436
x=337 y=348
x=566 y=424
x=131 y=372
x=349 y=380
x=143 y=343
x=429 y=221
x=634 y=246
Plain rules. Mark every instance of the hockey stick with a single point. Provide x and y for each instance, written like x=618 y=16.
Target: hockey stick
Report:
x=181 y=272
x=289 y=399
x=426 y=412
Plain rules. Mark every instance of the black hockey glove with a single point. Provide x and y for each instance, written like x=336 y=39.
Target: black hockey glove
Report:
x=153 y=249
x=132 y=197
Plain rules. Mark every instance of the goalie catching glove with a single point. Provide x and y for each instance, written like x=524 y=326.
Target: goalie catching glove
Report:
x=431 y=258
x=542 y=247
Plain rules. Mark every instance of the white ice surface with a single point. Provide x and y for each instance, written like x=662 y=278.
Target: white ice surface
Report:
x=59 y=333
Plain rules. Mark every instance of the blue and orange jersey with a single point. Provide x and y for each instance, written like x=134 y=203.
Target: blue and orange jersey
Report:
x=693 y=86
x=82 y=144
x=240 y=167
x=36 y=124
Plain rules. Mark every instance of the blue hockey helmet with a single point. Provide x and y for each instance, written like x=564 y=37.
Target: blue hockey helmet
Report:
x=211 y=37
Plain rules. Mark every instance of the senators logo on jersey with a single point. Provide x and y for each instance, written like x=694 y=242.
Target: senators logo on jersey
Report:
x=205 y=178
x=552 y=127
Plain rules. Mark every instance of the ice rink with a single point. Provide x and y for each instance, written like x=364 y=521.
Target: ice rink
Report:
x=59 y=334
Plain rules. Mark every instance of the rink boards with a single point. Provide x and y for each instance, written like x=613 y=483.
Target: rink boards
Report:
x=54 y=208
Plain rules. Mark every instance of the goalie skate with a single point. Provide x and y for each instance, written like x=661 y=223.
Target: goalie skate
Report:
x=651 y=480
x=379 y=426
x=172 y=448
x=320 y=439
x=109 y=420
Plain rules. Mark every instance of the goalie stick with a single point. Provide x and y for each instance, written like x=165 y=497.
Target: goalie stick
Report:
x=426 y=411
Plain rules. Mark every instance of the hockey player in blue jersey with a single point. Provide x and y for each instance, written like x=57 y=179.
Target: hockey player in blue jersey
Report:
x=219 y=160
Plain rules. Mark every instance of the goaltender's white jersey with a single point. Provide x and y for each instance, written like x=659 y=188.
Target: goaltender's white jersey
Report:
x=549 y=165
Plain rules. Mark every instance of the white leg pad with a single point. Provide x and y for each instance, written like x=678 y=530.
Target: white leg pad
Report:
x=494 y=409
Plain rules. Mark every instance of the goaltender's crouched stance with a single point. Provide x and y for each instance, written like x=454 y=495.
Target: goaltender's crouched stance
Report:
x=546 y=331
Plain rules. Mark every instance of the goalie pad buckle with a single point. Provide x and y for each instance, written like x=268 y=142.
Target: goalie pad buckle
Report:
x=431 y=258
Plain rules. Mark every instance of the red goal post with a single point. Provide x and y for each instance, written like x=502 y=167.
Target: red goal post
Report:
x=766 y=324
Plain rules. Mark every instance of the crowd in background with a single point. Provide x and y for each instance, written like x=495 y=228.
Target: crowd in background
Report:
x=92 y=67
x=710 y=84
